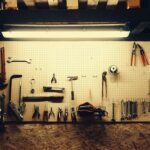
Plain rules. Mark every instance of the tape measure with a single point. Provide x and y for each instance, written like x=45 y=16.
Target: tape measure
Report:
x=113 y=70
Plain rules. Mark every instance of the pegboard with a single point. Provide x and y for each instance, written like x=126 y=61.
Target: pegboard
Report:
x=85 y=59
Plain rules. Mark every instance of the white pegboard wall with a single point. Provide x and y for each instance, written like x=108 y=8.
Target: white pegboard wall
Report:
x=82 y=59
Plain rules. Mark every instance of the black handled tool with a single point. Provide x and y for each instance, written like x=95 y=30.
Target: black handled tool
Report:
x=36 y=113
x=149 y=106
x=45 y=114
x=51 y=113
x=73 y=115
x=104 y=82
x=113 y=112
x=59 y=115
x=32 y=86
x=143 y=107
x=71 y=78
x=2 y=103
x=66 y=115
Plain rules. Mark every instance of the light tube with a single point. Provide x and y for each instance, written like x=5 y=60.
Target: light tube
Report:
x=62 y=34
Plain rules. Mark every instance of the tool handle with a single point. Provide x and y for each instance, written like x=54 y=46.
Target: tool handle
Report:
x=72 y=95
x=134 y=58
x=146 y=60
x=131 y=60
x=143 y=60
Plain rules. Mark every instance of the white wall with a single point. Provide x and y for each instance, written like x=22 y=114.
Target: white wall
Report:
x=79 y=58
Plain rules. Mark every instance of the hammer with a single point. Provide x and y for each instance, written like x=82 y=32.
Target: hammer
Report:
x=71 y=78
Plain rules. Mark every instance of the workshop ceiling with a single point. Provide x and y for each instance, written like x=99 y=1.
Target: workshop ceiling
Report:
x=47 y=12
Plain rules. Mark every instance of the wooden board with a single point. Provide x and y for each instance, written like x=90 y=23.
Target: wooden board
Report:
x=72 y=4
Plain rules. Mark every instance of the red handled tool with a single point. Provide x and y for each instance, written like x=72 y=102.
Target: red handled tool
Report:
x=143 y=55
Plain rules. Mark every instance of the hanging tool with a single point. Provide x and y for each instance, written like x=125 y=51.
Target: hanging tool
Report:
x=32 y=82
x=135 y=109
x=12 y=108
x=149 y=88
x=143 y=106
x=122 y=110
x=73 y=115
x=113 y=112
x=53 y=89
x=22 y=105
x=51 y=113
x=36 y=113
x=66 y=115
x=2 y=73
x=149 y=106
x=11 y=60
x=59 y=115
x=143 y=55
x=45 y=114
x=3 y=85
x=2 y=105
x=104 y=81
x=128 y=110
x=71 y=78
x=53 y=80
x=133 y=55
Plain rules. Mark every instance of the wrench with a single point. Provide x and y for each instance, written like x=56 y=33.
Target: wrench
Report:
x=10 y=60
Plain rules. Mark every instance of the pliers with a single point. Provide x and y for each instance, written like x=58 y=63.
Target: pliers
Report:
x=143 y=56
x=133 y=56
x=51 y=113
x=53 y=79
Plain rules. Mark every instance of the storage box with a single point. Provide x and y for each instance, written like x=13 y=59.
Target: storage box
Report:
x=11 y=4
x=133 y=4
x=112 y=2
x=93 y=2
x=29 y=3
x=72 y=4
x=53 y=2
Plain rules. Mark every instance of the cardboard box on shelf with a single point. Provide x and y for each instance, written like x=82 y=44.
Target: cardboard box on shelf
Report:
x=11 y=4
x=72 y=4
x=133 y=4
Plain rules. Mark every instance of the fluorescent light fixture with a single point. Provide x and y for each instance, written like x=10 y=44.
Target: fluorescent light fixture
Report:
x=60 y=34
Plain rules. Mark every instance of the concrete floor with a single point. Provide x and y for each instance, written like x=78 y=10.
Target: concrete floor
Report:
x=76 y=137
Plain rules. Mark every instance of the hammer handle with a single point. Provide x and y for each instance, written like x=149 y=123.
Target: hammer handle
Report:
x=72 y=95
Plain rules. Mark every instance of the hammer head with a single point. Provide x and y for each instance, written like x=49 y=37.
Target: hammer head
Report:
x=73 y=78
